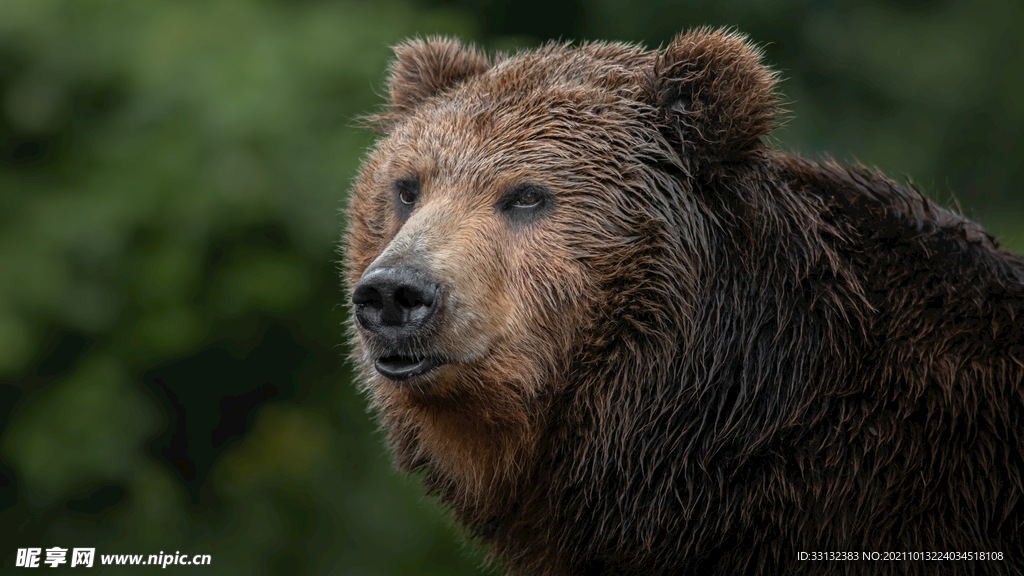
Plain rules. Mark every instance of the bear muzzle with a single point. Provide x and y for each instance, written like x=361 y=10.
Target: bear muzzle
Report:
x=398 y=306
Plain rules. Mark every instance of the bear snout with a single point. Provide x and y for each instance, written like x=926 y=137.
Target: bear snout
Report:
x=397 y=305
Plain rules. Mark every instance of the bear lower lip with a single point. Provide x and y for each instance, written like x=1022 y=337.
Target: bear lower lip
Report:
x=400 y=368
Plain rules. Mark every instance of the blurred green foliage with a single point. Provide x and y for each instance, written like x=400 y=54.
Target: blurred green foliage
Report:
x=172 y=348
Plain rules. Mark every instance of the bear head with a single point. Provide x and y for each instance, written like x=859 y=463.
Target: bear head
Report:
x=534 y=223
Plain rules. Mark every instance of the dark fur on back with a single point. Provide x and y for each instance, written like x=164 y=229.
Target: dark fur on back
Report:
x=769 y=355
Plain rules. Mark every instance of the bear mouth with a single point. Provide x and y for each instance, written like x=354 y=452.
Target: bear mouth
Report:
x=399 y=367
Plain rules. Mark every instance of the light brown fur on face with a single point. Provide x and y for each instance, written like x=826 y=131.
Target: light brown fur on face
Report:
x=619 y=334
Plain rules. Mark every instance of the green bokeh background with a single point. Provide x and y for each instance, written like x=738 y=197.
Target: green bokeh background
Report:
x=172 y=355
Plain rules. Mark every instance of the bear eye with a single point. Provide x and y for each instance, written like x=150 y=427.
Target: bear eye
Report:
x=525 y=203
x=407 y=193
x=529 y=198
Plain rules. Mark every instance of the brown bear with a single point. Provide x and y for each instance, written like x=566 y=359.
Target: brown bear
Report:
x=617 y=333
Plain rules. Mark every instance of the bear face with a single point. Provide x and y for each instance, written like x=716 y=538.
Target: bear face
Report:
x=619 y=334
x=481 y=192
x=534 y=255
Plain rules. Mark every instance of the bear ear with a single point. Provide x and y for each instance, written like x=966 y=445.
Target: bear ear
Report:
x=715 y=94
x=423 y=68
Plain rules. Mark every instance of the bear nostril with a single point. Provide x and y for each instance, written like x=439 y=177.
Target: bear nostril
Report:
x=407 y=298
x=412 y=297
x=367 y=296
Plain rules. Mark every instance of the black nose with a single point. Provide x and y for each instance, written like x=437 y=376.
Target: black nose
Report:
x=395 y=301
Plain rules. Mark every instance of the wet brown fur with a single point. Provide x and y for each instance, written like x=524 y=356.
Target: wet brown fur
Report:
x=710 y=356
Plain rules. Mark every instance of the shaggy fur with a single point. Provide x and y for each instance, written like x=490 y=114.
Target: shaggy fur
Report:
x=706 y=356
